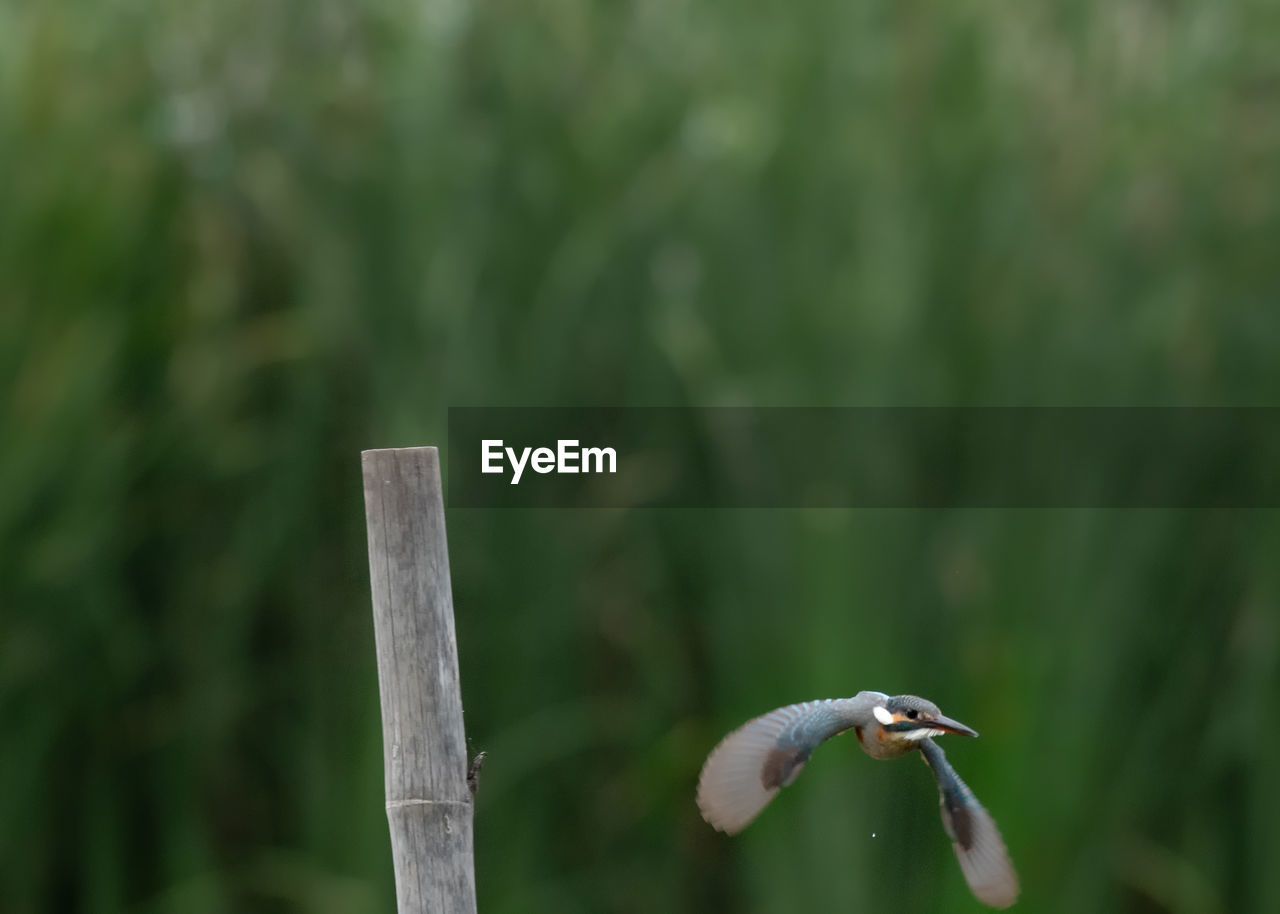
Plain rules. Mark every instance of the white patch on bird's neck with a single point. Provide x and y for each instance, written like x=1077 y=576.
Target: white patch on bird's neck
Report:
x=882 y=715
x=921 y=734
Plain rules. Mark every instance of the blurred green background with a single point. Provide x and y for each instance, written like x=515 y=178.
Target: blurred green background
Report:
x=239 y=242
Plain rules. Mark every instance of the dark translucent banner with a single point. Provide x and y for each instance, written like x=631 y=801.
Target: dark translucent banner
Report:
x=864 y=457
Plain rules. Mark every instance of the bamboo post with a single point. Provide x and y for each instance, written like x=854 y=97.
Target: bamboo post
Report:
x=429 y=806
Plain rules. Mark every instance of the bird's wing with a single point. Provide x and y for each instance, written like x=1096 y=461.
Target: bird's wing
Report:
x=973 y=833
x=754 y=762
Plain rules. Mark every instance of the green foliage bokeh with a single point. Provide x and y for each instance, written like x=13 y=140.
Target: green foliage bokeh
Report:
x=239 y=242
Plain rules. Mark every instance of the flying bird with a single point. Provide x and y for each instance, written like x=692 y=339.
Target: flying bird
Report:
x=754 y=762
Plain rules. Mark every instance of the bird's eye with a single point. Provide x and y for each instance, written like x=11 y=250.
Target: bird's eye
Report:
x=913 y=713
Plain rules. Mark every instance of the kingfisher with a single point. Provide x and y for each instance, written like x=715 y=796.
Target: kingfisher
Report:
x=750 y=765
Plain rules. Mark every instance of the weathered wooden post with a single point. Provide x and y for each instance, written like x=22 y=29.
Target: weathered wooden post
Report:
x=429 y=807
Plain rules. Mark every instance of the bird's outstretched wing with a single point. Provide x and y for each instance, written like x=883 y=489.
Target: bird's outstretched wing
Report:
x=973 y=833
x=754 y=762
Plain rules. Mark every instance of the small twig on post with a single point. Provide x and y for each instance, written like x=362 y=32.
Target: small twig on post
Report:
x=429 y=805
x=473 y=772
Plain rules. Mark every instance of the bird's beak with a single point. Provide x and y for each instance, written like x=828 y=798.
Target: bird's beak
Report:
x=951 y=726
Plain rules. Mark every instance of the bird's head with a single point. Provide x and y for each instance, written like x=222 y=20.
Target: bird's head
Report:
x=905 y=719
